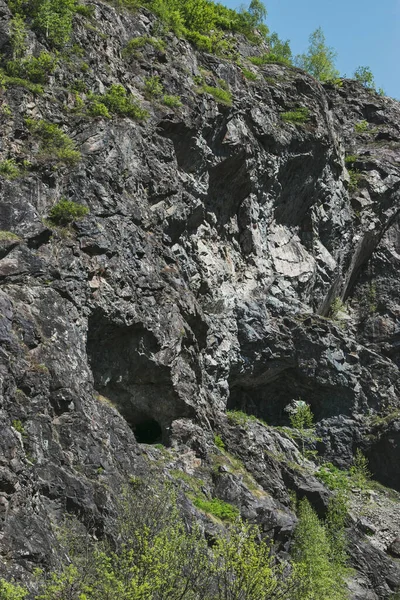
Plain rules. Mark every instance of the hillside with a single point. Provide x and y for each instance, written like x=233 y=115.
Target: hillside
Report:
x=190 y=240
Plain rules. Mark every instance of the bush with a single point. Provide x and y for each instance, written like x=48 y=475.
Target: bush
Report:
x=298 y=116
x=365 y=77
x=172 y=101
x=219 y=442
x=54 y=142
x=249 y=74
x=361 y=126
x=218 y=508
x=11 y=591
x=153 y=86
x=98 y=109
x=66 y=212
x=334 y=478
x=117 y=101
x=140 y=42
x=35 y=88
x=9 y=169
x=36 y=70
x=220 y=95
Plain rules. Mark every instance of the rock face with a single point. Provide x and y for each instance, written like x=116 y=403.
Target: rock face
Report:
x=203 y=278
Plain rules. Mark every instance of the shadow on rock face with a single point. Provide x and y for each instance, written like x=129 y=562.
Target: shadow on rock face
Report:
x=128 y=370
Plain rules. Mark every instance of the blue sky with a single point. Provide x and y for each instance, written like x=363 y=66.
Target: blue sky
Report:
x=363 y=32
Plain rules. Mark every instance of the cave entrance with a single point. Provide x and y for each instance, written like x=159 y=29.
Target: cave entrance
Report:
x=148 y=432
x=128 y=370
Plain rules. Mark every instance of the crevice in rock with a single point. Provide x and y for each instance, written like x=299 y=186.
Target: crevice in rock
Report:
x=127 y=371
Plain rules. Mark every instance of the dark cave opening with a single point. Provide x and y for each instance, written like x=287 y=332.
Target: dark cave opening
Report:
x=148 y=432
x=128 y=372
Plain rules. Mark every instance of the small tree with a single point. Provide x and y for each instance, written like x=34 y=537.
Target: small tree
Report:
x=365 y=77
x=318 y=576
x=301 y=418
x=18 y=35
x=319 y=61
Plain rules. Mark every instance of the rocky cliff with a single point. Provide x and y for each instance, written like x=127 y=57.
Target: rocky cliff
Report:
x=232 y=259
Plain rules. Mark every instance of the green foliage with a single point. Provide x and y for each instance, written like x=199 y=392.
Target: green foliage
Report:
x=355 y=177
x=55 y=143
x=9 y=169
x=218 y=508
x=319 y=61
x=334 y=478
x=298 y=116
x=118 y=102
x=244 y=568
x=8 y=236
x=365 y=77
x=172 y=101
x=279 y=49
x=153 y=86
x=18 y=35
x=359 y=471
x=36 y=70
x=319 y=577
x=19 y=427
x=301 y=416
x=350 y=159
x=335 y=527
x=220 y=95
x=54 y=19
x=140 y=42
x=249 y=74
x=219 y=442
x=6 y=81
x=85 y=11
x=11 y=591
x=361 y=126
x=67 y=211
x=98 y=109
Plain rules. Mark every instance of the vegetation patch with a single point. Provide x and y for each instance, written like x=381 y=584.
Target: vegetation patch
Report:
x=138 y=43
x=171 y=101
x=36 y=70
x=55 y=144
x=117 y=102
x=217 y=508
x=9 y=169
x=219 y=94
x=297 y=116
x=361 y=126
x=6 y=236
x=66 y=212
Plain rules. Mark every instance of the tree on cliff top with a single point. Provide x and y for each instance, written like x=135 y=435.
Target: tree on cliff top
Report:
x=319 y=60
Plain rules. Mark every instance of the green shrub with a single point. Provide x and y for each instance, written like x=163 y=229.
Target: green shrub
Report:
x=172 y=101
x=98 y=109
x=220 y=95
x=8 y=236
x=350 y=159
x=18 y=36
x=11 y=591
x=249 y=74
x=140 y=42
x=365 y=77
x=298 y=116
x=153 y=86
x=35 y=88
x=218 y=508
x=118 y=102
x=67 y=211
x=334 y=478
x=359 y=472
x=268 y=58
x=219 y=442
x=36 y=70
x=355 y=177
x=9 y=169
x=85 y=11
x=361 y=126
x=55 y=143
